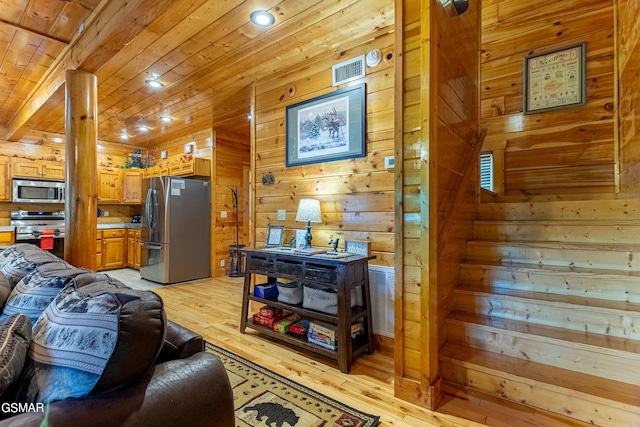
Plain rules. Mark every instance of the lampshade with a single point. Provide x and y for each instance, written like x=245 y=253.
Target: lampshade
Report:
x=309 y=211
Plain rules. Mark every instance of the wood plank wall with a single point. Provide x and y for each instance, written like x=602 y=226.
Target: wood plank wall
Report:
x=566 y=151
x=629 y=106
x=356 y=196
x=201 y=140
x=457 y=128
x=231 y=158
x=440 y=103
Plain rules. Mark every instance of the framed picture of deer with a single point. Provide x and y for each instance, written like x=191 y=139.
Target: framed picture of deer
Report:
x=327 y=128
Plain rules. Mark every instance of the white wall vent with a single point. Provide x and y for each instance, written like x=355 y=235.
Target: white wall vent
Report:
x=381 y=286
x=349 y=70
x=486 y=171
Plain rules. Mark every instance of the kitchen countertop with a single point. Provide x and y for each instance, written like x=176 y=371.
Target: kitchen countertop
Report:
x=100 y=226
x=119 y=225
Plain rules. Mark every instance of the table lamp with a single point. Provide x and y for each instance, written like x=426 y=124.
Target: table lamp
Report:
x=309 y=211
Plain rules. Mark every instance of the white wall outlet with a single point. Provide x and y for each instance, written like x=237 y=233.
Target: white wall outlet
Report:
x=282 y=214
x=389 y=162
x=187 y=148
x=105 y=213
x=223 y=214
x=163 y=154
x=221 y=263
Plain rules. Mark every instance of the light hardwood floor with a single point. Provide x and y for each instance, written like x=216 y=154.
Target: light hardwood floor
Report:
x=212 y=308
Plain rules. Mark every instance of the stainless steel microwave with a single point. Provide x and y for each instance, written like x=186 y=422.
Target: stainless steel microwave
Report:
x=35 y=191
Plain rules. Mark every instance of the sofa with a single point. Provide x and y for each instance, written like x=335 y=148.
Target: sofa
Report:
x=79 y=348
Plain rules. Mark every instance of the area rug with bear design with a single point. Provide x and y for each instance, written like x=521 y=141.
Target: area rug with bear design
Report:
x=265 y=399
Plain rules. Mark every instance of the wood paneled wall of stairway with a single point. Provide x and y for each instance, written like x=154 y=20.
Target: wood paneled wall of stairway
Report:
x=565 y=151
x=629 y=106
x=438 y=127
x=547 y=302
x=547 y=308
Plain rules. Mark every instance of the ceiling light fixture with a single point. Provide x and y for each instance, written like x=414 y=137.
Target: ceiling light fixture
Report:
x=166 y=119
x=57 y=139
x=124 y=135
x=143 y=128
x=262 y=18
x=156 y=84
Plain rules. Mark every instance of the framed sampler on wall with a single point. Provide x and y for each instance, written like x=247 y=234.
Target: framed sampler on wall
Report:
x=555 y=80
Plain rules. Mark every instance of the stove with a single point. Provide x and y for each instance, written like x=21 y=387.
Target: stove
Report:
x=30 y=225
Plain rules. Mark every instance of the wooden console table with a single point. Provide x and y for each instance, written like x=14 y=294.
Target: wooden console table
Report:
x=340 y=273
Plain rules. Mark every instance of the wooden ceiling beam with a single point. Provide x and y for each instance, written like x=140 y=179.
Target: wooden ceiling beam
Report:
x=112 y=25
x=33 y=32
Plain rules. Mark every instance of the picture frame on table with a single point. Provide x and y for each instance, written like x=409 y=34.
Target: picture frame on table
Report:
x=301 y=238
x=358 y=247
x=327 y=128
x=555 y=79
x=275 y=236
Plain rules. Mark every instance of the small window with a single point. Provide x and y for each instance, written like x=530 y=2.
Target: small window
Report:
x=486 y=171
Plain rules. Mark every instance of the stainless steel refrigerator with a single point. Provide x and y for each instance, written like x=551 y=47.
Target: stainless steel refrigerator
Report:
x=175 y=229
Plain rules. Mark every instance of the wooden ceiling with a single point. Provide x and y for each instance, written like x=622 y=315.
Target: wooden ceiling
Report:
x=207 y=54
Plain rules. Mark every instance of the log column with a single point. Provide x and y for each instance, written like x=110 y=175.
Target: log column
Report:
x=81 y=125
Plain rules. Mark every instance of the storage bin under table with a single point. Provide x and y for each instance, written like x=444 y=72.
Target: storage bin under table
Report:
x=346 y=277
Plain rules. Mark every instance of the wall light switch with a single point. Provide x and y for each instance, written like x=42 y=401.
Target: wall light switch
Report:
x=389 y=162
x=105 y=213
x=223 y=214
x=187 y=148
x=163 y=154
x=282 y=214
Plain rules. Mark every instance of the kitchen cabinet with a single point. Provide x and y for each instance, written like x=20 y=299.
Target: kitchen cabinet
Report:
x=109 y=186
x=131 y=186
x=193 y=167
x=7 y=238
x=157 y=170
x=99 y=250
x=133 y=248
x=5 y=178
x=39 y=169
x=113 y=249
x=342 y=275
x=186 y=168
x=120 y=186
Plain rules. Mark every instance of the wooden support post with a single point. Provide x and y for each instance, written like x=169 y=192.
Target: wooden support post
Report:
x=81 y=124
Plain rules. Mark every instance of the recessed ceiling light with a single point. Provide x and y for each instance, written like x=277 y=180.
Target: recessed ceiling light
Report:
x=166 y=119
x=262 y=18
x=143 y=128
x=57 y=139
x=124 y=136
x=156 y=84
